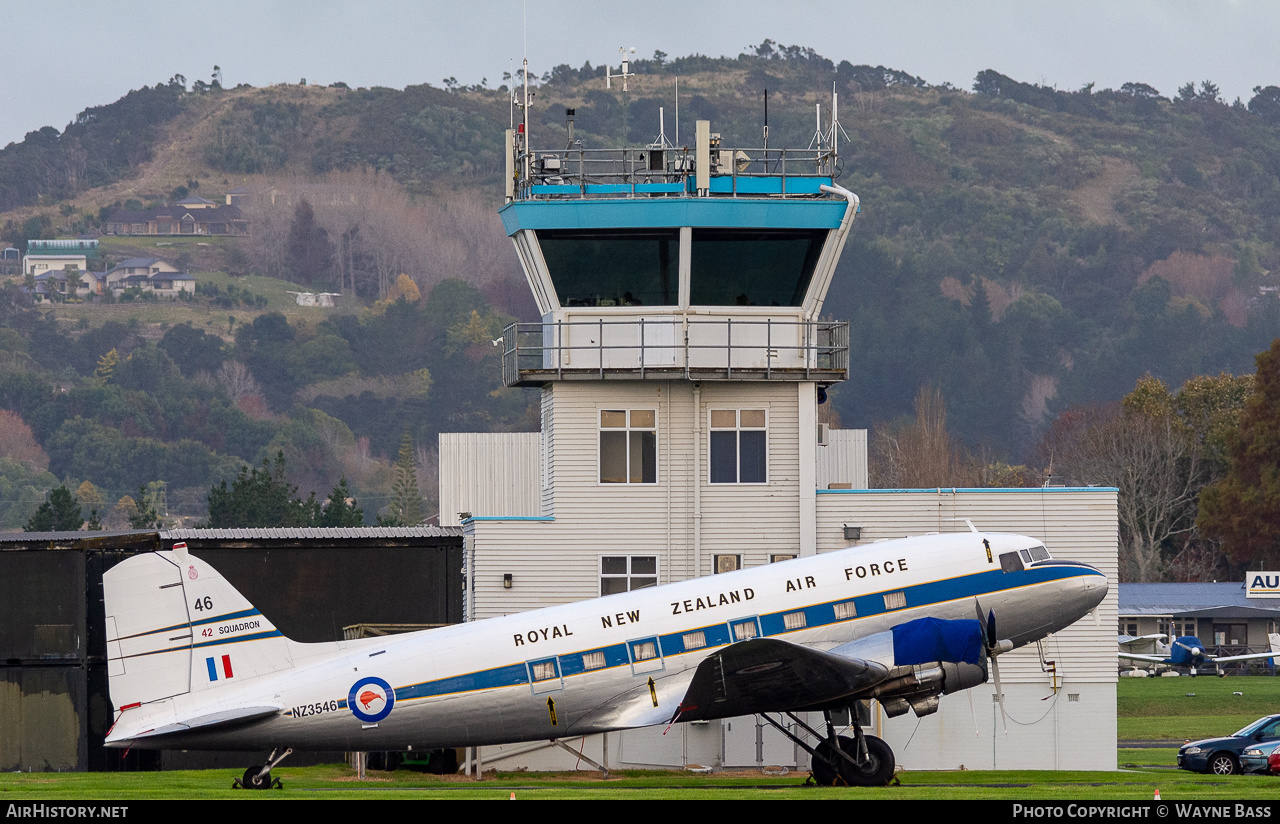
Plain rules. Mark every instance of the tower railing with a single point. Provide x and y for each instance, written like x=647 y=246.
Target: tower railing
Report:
x=675 y=347
x=648 y=171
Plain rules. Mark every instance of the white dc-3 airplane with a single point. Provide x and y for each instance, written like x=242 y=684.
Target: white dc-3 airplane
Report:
x=193 y=665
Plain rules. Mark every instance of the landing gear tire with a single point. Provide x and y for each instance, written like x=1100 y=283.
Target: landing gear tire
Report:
x=1223 y=764
x=253 y=781
x=876 y=771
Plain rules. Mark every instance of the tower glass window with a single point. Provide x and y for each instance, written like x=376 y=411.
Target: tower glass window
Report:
x=753 y=267
x=613 y=267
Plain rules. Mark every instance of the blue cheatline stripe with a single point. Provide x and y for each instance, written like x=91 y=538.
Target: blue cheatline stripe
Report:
x=213 y=669
x=719 y=634
x=244 y=613
x=230 y=616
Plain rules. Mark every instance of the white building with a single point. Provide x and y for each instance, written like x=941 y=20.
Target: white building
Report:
x=683 y=364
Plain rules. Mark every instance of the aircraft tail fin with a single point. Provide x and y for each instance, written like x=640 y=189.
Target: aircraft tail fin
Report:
x=175 y=625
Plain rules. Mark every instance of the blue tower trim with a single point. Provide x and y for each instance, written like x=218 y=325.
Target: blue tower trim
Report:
x=655 y=213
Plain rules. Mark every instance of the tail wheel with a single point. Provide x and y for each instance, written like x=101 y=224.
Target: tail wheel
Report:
x=876 y=771
x=253 y=781
x=1223 y=764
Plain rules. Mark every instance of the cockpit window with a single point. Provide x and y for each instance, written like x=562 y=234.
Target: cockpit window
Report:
x=1010 y=562
x=1039 y=553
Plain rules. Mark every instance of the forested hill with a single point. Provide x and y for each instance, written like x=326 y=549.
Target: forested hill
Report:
x=1025 y=249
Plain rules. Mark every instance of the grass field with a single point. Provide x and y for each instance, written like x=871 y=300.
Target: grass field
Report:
x=1178 y=709
x=339 y=782
x=1149 y=708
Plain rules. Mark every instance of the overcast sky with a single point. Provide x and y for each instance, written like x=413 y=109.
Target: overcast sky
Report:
x=61 y=56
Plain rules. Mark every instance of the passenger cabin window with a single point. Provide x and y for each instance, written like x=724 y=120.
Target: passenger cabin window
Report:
x=753 y=267
x=613 y=267
x=1010 y=562
x=628 y=446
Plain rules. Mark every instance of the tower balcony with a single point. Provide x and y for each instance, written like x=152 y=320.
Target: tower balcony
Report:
x=675 y=347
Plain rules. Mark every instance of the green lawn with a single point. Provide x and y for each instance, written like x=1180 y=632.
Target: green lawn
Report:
x=339 y=782
x=1181 y=709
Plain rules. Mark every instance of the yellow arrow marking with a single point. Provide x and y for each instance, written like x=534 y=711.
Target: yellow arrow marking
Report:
x=653 y=693
x=551 y=710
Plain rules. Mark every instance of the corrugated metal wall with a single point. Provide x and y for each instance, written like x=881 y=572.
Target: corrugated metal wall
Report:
x=490 y=473
x=844 y=459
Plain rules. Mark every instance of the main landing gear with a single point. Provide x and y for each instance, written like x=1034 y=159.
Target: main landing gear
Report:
x=259 y=778
x=841 y=760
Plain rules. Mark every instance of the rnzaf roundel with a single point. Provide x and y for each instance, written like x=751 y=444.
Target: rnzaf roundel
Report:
x=371 y=699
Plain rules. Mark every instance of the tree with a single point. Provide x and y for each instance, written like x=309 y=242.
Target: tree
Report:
x=1266 y=103
x=1160 y=450
x=144 y=515
x=1243 y=508
x=919 y=453
x=59 y=513
x=406 y=502
x=341 y=510
x=261 y=497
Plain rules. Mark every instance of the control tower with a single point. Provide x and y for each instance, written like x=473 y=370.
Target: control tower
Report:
x=682 y=362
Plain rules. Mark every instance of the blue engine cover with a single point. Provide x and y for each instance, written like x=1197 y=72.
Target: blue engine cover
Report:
x=926 y=640
x=1179 y=655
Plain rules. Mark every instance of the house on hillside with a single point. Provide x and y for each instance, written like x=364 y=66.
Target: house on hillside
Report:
x=55 y=282
x=149 y=275
x=36 y=264
x=190 y=216
x=10 y=261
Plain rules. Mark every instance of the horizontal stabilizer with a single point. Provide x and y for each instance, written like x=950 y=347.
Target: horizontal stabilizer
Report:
x=224 y=718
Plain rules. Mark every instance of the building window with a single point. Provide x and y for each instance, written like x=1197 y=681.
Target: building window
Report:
x=623 y=573
x=738 y=446
x=628 y=446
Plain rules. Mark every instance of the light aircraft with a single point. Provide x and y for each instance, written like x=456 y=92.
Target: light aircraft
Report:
x=193 y=665
x=1186 y=651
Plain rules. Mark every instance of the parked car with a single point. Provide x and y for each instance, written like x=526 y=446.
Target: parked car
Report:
x=1255 y=759
x=1221 y=756
x=1273 y=762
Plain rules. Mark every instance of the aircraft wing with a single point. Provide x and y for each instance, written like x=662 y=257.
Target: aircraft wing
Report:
x=1220 y=659
x=223 y=718
x=1136 y=642
x=1151 y=659
x=769 y=675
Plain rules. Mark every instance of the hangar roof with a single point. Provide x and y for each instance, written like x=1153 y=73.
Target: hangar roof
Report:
x=1213 y=600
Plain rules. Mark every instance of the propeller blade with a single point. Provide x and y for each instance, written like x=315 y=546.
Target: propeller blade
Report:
x=991 y=629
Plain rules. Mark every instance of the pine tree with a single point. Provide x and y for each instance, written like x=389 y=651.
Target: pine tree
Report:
x=406 y=502
x=60 y=513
